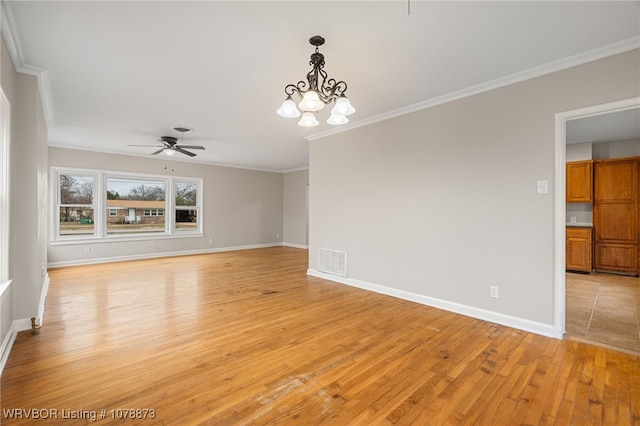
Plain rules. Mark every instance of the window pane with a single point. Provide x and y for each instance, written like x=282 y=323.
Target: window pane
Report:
x=186 y=220
x=76 y=189
x=137 y=202
x=186 y=194
x=76 y=221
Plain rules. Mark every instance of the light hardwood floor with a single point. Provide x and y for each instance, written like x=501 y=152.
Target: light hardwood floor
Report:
x=604 y=309
x=248 y=338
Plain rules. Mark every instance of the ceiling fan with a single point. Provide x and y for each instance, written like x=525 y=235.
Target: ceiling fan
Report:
x=170 y=144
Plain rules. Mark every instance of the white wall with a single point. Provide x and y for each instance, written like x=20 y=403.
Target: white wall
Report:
x=440 y=204
x=241 y=208
x=295 y=218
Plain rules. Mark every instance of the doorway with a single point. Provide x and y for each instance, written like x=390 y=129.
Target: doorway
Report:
x=577 y=284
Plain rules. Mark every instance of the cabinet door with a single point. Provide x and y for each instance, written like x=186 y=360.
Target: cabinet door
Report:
x=616 y=222
x=616 y=181
x=579 y=182
x=616 y=257
x=578 y=249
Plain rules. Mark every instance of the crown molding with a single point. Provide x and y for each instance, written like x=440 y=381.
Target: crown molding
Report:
x=7 y=27
x=548 y=68
x=8 y=33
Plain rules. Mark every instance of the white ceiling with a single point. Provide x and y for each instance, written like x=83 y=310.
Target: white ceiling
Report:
x=123 y=72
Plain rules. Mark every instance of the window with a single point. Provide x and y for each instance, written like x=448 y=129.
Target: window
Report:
x=98 y=204
x=4 y=192
x=139 y=201
x=154 y=212
x=75 y=204
x=186 y=206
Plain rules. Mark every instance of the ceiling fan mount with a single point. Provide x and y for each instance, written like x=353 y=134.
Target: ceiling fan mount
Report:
x=170 y=144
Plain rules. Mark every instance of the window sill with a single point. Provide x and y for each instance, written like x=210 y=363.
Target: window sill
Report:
x=119 y=239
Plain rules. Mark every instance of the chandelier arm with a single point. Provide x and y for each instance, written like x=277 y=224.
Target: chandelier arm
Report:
x=298 y=88
x=331 y=90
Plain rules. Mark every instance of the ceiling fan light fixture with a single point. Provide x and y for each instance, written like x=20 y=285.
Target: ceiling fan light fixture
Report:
x=169 y=144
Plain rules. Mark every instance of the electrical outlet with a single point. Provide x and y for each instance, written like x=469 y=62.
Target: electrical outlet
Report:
x=573 y=219
x=493 y=291
x=210 y=240
x=87 y=249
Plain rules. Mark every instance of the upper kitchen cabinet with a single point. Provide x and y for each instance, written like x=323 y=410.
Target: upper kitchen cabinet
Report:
x=617 y=181
x=580 y=182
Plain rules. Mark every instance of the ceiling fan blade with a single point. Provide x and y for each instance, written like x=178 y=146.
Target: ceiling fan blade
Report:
x=158 y=151
x=190 y=154
x=190 y=146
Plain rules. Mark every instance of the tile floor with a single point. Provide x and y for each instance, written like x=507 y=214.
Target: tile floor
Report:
x=604 y=309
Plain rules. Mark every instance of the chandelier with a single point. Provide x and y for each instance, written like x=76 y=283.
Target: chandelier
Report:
x=315 y=93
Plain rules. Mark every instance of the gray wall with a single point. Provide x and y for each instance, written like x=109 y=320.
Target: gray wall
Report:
x=619 y=149
x=295 y=219
x=442 y=203
x=241 y=208
x=28 y=183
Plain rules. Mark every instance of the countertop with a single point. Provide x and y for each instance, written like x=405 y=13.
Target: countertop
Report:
x=580 y=225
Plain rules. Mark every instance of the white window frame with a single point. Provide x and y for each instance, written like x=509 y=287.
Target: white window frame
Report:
x=101 y=212
x=56 y=204
x=5 y=199
x=197 y=207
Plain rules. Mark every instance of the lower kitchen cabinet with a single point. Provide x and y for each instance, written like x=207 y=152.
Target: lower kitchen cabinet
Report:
x=617 y=257
x=578 y=250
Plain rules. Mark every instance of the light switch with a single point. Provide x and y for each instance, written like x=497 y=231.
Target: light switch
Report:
x=542 y=187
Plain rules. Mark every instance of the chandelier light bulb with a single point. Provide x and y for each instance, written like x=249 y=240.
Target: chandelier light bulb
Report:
x=308 y=120
x=169 y=152
x=343 y=106
x=311 y=102
x=288 y=109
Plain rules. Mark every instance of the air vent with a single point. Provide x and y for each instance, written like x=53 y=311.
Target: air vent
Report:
x=332 y=262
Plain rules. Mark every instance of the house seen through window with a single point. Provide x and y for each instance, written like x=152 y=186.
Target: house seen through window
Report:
x=139 y=205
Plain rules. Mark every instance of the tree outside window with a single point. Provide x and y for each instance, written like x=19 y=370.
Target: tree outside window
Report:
x=76 y=209
x=186 y=206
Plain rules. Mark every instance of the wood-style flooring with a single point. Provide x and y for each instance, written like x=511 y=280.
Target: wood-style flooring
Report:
x=604 y=309
x=247 y=337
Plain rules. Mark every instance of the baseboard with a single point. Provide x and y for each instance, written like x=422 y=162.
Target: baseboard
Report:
x=5 y=349
x=298 y=246
x=79 y=262
x=547 y=330
x=43 y=297
x=16 y=327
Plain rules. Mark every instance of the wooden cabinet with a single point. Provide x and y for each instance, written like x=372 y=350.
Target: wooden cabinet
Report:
x=579 y=175
x=615 y=216
x=579 y=249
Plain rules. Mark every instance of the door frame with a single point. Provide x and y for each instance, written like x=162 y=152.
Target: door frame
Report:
x=560 y=206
